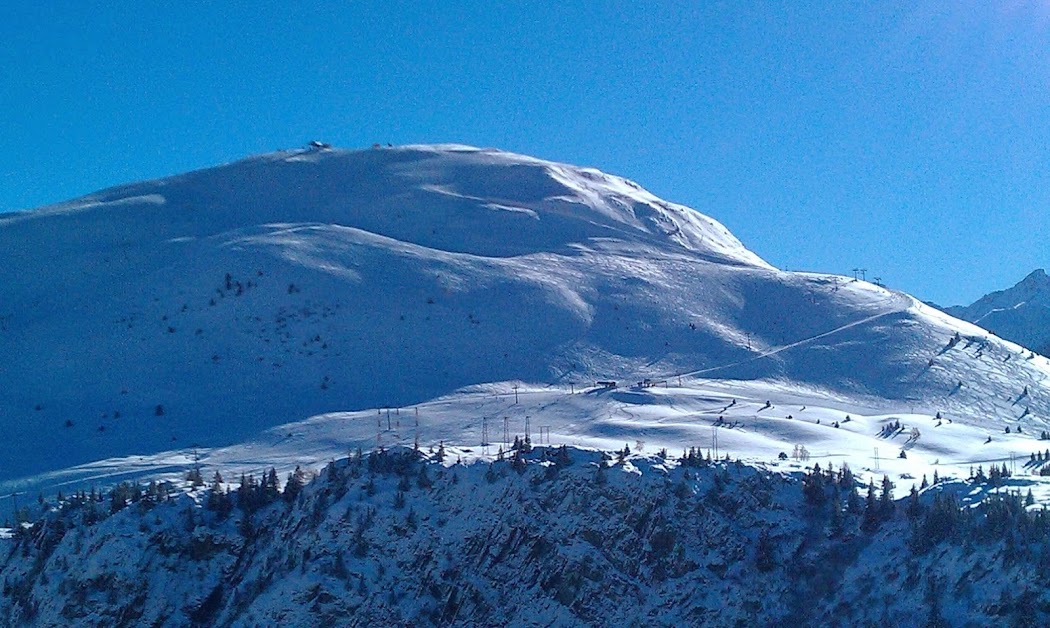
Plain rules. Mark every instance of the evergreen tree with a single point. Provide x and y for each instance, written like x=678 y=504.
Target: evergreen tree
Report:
x=835 y=523
x=871 y=510
x=846 y=480
x=218 y=501
x=294 y=485
x=118 y=497
x=886 y=505
x=195 y=477
x=994 y=475
x=979 y=476
x=271 y=487
x=913 y=509
x=813 y=487
x=854 y=504
x=517 y=462
x=247 y=493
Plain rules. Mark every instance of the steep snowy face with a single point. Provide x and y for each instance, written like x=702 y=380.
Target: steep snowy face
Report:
x=1020 y=313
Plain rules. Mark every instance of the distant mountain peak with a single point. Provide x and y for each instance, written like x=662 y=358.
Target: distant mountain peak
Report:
x=1020 y=313
x=1033 y=289
x=1037 y=278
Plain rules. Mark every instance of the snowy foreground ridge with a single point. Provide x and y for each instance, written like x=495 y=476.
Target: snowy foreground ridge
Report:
x=285 y=309
x=540 y=537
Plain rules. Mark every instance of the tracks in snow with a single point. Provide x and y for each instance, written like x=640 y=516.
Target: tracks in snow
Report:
x=898 y=303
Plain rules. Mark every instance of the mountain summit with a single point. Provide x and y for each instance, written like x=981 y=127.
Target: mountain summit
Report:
x=451 y=198
x=1020 y=313
x=206 y=308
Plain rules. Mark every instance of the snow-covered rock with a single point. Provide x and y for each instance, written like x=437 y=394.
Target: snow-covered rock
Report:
x=557 y=537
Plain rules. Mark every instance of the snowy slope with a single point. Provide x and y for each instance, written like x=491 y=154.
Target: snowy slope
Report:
x=1020 y=313
x=205 y=309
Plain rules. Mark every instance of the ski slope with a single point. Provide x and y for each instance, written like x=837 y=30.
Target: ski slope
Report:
x=264 y=312
x=751 y=421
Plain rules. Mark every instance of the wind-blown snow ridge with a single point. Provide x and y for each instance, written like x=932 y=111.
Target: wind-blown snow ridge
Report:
x=207 y=308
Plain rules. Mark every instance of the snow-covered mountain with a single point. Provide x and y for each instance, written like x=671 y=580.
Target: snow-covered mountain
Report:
x=262 y=311
x=1020 y=313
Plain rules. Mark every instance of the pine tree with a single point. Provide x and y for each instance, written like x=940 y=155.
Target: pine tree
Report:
x=835 y=523
x=118 y=497
x=871 y=510
x=979 y=476
x=846 y=480
x=247 y=493
x=886 y=505
x=854 y=504
x=913 y=502
x=271 y=487
x=517 y=462
x=195 y=477
x=294 y=485
x=813 y=487
x=217 y=500
x=562 y=459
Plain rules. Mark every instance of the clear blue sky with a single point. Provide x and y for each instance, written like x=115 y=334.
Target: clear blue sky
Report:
x=911 y=138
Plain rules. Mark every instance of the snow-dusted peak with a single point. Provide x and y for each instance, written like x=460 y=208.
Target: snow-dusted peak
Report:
x=1037 y=280
x=1033 y=290
x=449 y=197
x=1020 y=313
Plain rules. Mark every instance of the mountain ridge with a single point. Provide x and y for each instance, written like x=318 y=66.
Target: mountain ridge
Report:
x=1020 y=313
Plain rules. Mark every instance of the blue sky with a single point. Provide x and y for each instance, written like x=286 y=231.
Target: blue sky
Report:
x=910 y=138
